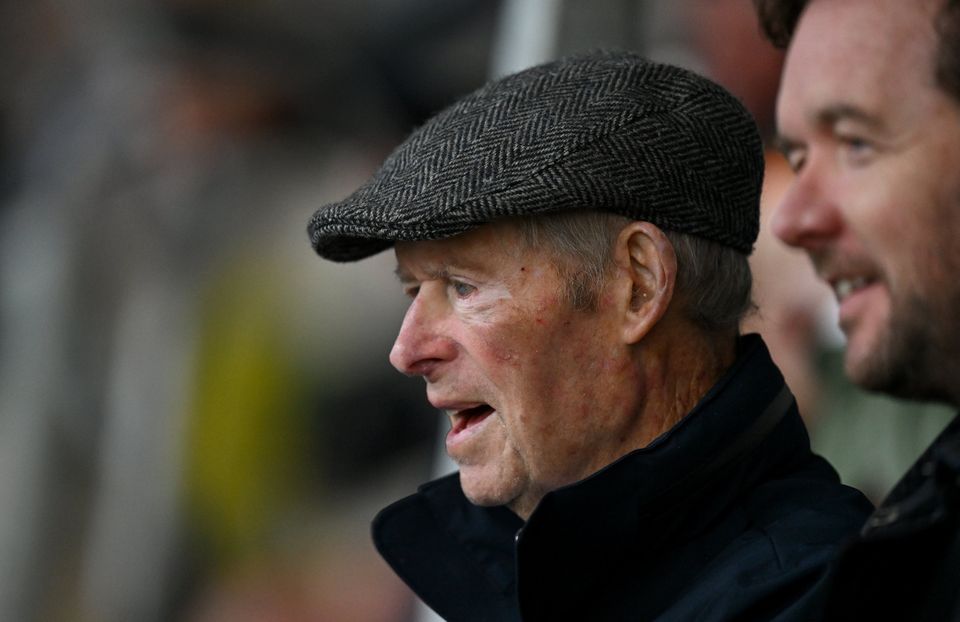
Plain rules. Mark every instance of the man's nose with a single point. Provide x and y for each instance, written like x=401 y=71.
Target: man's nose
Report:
x=422 y=346
x=808 y=216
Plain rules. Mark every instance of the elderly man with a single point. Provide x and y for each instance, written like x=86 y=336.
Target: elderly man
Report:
x=869 y=115
x=574 y=241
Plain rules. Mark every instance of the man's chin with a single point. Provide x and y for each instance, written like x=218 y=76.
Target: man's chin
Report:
x=491 y=492
x=888 y=364
x=479 y=490
x=869 y=368
x=861 y=371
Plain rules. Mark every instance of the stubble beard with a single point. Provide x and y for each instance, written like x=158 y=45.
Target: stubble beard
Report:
x=918 y=355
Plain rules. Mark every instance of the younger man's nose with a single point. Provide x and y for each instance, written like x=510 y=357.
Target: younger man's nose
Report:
x=806 y=216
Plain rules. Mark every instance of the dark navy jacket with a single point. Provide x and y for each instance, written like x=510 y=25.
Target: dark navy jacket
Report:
x=906 y=563
x=727 y=516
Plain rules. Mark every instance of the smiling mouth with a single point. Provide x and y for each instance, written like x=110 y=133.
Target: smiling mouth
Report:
x=469 y=417
x=843 y=288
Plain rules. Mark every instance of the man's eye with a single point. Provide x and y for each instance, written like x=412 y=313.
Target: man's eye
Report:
x=411 y=292
x=857 y=150
x=856 y=143
x=461 y=289
x=795 y=158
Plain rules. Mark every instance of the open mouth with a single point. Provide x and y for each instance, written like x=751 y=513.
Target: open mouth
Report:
x=469 y=417
x=844 y=287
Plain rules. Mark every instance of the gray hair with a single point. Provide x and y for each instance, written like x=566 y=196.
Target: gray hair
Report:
x=713 y=281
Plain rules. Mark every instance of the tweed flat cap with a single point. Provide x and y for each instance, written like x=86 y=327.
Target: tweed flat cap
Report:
x=604 y=131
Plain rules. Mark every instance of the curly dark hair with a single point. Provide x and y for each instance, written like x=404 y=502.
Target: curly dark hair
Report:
x=779 y=18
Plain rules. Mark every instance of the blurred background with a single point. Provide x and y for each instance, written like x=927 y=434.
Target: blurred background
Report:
x=197 y=416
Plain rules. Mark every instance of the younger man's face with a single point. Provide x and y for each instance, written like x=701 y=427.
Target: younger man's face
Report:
x=875 y=143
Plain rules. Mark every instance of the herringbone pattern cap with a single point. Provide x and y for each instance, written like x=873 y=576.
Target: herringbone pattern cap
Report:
x=604 y=131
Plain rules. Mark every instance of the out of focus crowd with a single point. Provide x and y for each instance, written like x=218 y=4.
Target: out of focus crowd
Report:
x=197 y=416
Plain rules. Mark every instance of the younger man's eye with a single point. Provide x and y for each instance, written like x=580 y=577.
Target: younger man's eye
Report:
x=795 y=158
x=857 y=147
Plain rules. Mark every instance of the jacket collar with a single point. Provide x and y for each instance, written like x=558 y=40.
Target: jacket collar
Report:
x=926 y=494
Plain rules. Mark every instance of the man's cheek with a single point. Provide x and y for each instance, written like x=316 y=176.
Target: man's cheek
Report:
x=505 y=346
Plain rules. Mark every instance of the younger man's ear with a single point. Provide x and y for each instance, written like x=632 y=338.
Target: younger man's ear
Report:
x=647 y=264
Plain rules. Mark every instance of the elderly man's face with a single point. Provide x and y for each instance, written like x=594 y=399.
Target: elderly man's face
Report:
x=876 y=200
x=539 y=394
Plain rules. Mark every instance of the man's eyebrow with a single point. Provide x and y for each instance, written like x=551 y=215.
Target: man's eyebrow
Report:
x=404 y=276
x=830 y=115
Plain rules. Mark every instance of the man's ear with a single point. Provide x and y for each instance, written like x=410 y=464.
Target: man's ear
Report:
x=647 y=265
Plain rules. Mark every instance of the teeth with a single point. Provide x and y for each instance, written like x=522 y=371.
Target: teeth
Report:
x=845 y=287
